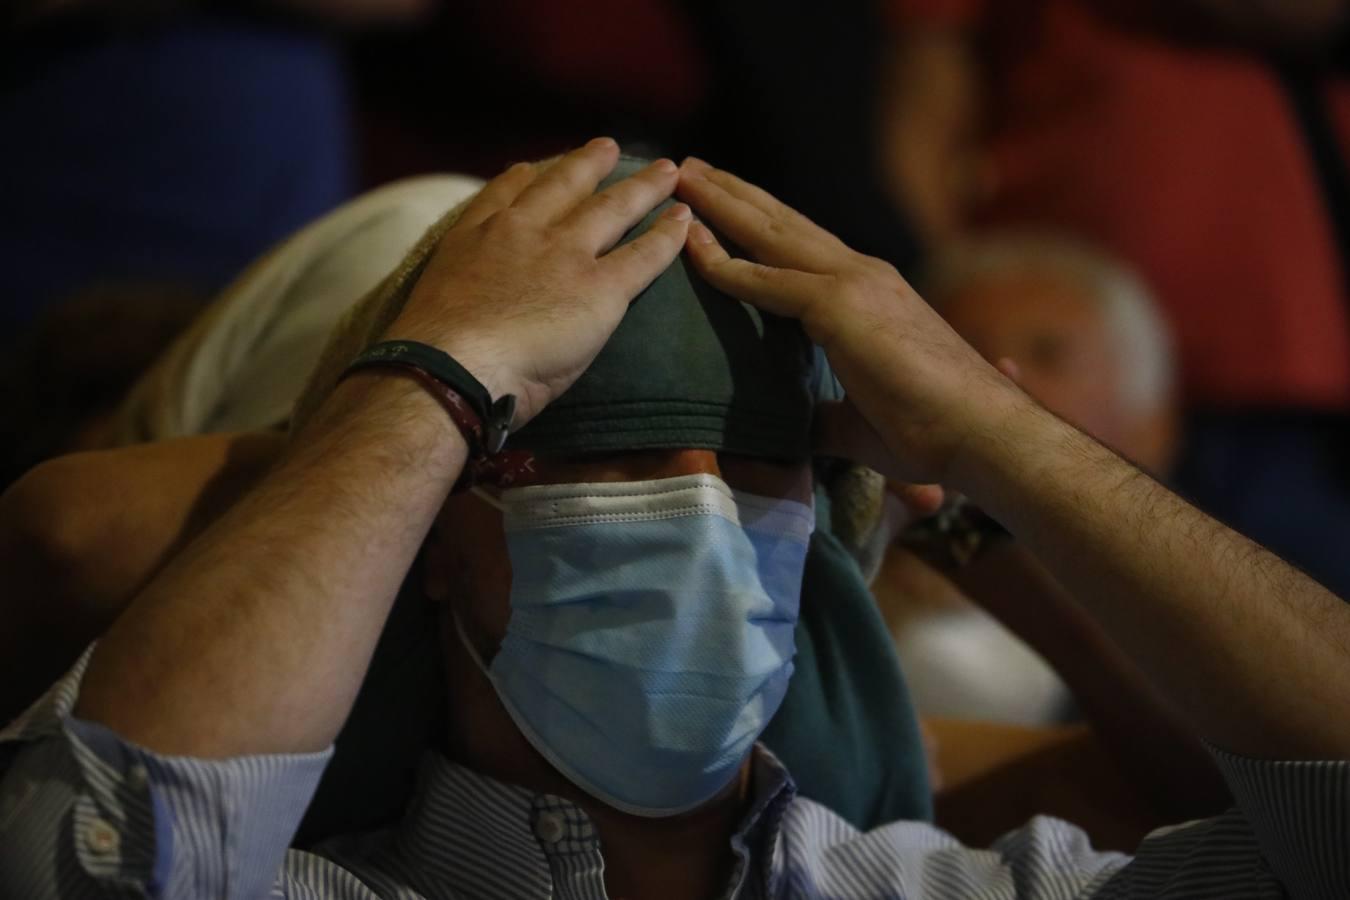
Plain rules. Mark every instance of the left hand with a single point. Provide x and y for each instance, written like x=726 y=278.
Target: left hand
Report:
x=918 y=395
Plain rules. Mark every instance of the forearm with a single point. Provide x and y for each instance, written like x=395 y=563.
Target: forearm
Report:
x=102 y=523
x=256 y=637
x=1146 y=735
x=1192 y=603
x=80 y=535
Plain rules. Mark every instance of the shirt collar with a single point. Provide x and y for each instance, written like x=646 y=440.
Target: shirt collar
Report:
x=772 y=791
x=462 y=827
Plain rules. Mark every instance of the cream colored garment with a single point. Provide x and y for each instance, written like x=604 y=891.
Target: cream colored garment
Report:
x=246 y=359
x=959 y=661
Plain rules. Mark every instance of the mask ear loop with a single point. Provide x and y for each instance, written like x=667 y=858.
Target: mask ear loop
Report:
x=488 y=499
x=468 y=644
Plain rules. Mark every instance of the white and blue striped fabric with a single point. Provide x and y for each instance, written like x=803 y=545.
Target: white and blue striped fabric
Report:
x=85 y=815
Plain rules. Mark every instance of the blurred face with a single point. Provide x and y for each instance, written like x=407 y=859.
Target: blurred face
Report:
x=467 y=562
x=1059 y=339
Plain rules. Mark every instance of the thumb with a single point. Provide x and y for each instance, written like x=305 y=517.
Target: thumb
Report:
x=1009 y=367
x=920 y=500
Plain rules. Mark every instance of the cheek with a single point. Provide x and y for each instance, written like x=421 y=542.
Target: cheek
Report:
x=469 y=567
x=489 y=602
x=479 y=586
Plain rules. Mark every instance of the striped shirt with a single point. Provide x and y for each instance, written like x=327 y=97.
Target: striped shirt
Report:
x=85 y=814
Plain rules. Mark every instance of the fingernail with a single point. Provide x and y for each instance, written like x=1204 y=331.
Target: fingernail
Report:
x=699 y=233
x=694 y=166
x=680 y=212
x=665 y=166
x=602 y=143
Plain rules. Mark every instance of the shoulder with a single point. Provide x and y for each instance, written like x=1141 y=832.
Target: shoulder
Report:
x=313 y=876
x=363 y=866
x=1047 y=857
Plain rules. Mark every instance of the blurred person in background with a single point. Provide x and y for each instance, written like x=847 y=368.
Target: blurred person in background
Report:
x=1082 y=328
x=1203 y=142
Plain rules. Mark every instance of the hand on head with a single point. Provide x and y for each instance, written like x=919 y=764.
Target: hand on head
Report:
x=533 y=284
x=917 y=391
x=527 y=286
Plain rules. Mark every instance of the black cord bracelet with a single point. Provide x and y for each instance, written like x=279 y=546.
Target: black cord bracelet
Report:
x=495 y=415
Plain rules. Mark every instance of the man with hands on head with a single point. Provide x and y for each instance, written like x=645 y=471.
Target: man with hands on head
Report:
x=177 y=757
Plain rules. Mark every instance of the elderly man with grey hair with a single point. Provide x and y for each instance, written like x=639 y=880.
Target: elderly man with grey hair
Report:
x=1081 y=327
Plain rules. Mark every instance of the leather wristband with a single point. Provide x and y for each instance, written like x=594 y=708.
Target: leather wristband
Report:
x=483 y=423
x=494 y=416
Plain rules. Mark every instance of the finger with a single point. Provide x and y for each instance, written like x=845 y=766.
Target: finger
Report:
x=785 y=241
x=636 y=264
x=498 y=193
x=839 y=430
x=1009 y=367
x=601 y=219
x=922 y=500
x=759 y=198
x=783 y=292
x=569 y=180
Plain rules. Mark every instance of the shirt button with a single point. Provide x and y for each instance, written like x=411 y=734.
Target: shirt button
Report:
x=137 y=777
x=101 y=837
x=549 y=828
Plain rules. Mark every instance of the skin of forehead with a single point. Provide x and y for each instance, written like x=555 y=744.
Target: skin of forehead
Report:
x=757 y=476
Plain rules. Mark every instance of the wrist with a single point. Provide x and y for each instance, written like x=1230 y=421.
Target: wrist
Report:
x=482 y=362
x=484 y=422
x=1010 y=446
x=385 y=412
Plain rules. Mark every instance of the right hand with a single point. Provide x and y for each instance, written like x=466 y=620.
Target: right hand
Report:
x=917 y=393
x=524 y=290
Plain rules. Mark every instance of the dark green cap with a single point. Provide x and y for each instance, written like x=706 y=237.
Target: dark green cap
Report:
x=688 y=367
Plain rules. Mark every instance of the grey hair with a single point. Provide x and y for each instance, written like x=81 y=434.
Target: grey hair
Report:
x=1142 y=336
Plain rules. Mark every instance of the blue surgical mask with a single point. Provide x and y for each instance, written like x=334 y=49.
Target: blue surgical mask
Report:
x=651 y=632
